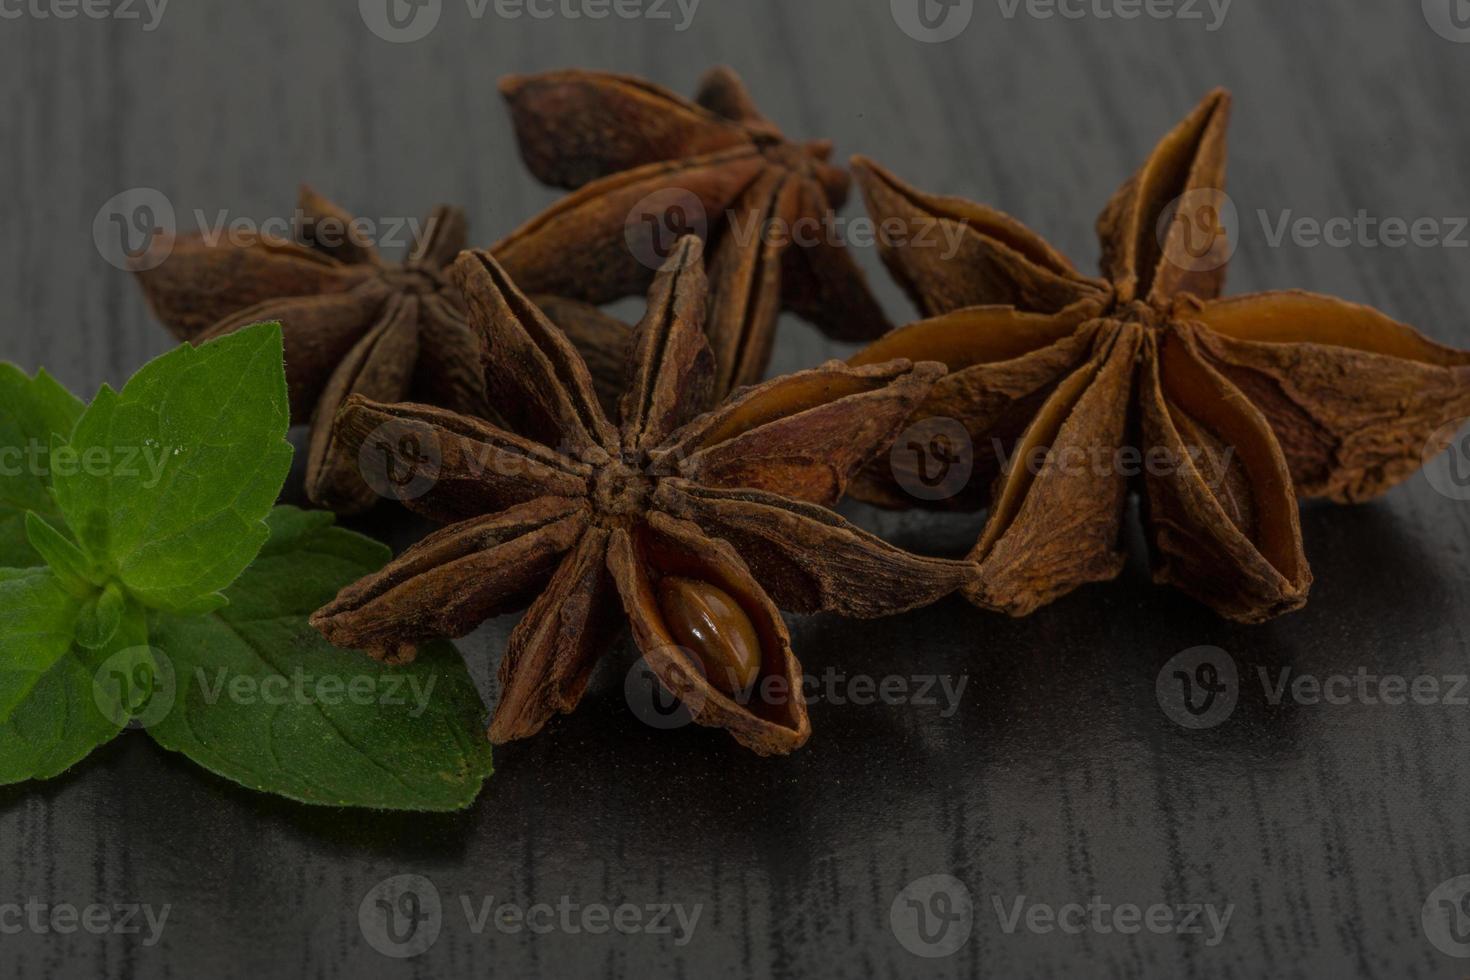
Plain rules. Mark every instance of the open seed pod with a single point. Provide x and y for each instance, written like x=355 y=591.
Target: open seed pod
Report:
x=1068 y=391
x=709 y=633
x=692 y=523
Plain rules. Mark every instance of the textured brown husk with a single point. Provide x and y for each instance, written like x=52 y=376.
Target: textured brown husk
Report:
x=616 y=140
x=1250 y=402
x=594 y=515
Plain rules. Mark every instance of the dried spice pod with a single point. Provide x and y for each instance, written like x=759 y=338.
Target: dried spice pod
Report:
x=1219 y=412
x=642 y=160
x=354 y=323
x=691 y=523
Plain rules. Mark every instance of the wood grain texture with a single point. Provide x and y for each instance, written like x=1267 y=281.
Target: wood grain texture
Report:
x=1057 y=777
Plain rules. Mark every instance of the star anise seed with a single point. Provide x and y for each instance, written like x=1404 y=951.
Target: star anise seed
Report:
x=1230 y=408
x=695 y=527
x=353 y=322
x=619 y=140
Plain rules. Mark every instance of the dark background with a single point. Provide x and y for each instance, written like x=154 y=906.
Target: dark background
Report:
x=1059 y=777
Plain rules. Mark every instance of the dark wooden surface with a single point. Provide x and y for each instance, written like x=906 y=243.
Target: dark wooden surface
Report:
x=1058 y=777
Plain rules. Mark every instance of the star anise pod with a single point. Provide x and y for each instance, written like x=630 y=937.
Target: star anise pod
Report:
x=353 y=322
x=643 y=158
x=1229 y=408
x=701 y=524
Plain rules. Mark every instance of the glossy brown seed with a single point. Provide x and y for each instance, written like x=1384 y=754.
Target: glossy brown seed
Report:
x=709 y=623
x=687 y=522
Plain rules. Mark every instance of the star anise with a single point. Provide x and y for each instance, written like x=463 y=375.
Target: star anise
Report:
x=354 y=323
x=702 y=524
x=1229 y=408
x=647 y=159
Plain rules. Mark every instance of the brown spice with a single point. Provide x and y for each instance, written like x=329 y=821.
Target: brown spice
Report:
x=630 y=145
x=354 y=324
x=702 y=525
x=1231 y=407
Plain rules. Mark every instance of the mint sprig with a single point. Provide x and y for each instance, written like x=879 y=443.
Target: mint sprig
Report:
x=157 y=584
x=33 y=412
x=263 y=700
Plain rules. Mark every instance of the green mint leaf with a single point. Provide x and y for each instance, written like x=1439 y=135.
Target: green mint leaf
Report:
x=167 y=483
x=32 y=412
x=100 y=618
x=55 y=705
x=65 y=558
x=263 y=700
